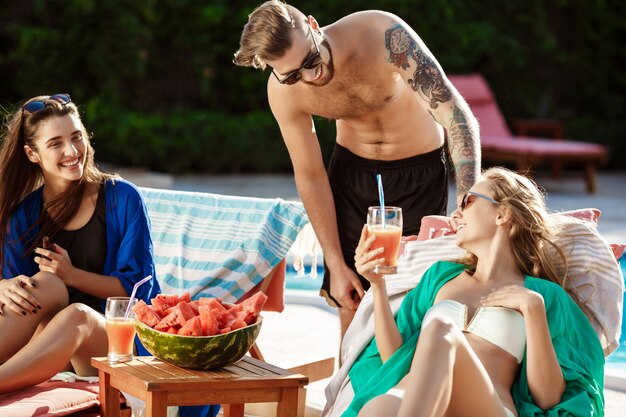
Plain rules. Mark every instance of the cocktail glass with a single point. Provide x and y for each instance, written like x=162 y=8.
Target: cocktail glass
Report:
x=386 y=225
x=120 y=329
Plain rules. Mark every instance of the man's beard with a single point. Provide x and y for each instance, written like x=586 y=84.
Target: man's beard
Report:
x=328 y=69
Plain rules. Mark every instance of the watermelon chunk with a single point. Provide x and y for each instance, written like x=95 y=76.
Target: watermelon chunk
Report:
x=146 y=314
x=206 y=316
x=212 y=302
x=255 y=303
x=223 y=317
x=167 y=321
x=238 y=324
x=210 y=325
x=191 y=328
x=185 y=310
x=164 y=301
x=185 y=297
x=194 y=306
x=249 y=309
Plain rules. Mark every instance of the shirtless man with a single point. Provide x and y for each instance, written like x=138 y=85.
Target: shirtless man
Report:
x=371 y=73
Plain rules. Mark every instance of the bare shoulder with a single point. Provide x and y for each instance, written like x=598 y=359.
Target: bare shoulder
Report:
x=372 y=30
x=368 y=18
x=286 y=102
x=365 y=23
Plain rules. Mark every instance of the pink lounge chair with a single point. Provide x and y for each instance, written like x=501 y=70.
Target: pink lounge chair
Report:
x=498 y=144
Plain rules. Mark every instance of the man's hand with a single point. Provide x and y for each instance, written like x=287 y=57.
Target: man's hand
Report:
x=14 y=294
x=58 y=262
x=345 y=287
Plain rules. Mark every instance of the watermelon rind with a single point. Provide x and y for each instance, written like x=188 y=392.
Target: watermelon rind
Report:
x=199 y=352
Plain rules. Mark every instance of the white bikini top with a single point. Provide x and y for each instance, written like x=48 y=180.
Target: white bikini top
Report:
x=504 y=327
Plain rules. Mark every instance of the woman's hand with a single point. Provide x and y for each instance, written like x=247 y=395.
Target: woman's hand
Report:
x=364 y=258
x=58 y=263
x=516 y=297
x=545 y=377
x=14 y=295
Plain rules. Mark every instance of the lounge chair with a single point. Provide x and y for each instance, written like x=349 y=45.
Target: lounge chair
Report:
x=209 y=245
x=591 y=260
x=499 y=145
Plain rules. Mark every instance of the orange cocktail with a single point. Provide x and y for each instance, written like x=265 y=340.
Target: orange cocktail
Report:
x=386 y=224
x=120 y=327
x=121 y=335
x=387 y=238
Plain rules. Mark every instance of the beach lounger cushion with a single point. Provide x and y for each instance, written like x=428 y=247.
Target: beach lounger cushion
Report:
x=50 y=399
x=499 y=144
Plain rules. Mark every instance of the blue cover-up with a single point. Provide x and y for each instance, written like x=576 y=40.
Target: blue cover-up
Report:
x=129 y=244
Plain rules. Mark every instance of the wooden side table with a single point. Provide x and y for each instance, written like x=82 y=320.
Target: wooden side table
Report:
x=161 y=384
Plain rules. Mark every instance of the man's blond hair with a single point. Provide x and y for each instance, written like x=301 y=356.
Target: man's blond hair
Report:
x=267 y=35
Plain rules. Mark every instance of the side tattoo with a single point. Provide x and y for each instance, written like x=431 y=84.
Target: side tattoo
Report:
x=426 y=80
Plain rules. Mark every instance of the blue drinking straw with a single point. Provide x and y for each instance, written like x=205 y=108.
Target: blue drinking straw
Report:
x=381 y=197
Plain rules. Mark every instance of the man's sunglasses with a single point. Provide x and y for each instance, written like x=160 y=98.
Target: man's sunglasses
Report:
x=38 y=105
x=466 y=202
x=311 y=62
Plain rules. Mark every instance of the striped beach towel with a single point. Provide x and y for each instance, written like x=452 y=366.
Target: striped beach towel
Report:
x=217 y=245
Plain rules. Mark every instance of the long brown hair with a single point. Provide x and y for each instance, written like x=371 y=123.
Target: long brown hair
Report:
x=19 y=176
x=532 y=235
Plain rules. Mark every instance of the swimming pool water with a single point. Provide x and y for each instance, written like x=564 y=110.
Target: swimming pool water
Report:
x=306 y=282
x=617 y=360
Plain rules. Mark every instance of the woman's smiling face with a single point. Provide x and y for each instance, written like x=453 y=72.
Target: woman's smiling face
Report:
x=60 y=149
x=475 y=222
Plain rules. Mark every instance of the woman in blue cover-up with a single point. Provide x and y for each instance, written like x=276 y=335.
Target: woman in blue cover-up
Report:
x=51 y=298
x=483 y=337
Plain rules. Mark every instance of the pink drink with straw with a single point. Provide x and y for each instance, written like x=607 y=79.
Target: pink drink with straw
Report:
x=120 y=329
x=386 y=225
x=121 y=335
x=389 y=239
x=120 y=325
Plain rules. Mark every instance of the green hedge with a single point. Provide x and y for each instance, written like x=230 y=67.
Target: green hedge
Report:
x=156 y=82
x=188 y=141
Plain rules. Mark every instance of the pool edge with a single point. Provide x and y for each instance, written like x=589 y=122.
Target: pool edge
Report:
x=615 y=379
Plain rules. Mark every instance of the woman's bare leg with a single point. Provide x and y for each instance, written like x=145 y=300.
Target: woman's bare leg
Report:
x=52 y=296
x=446 y=378
x=75 y=334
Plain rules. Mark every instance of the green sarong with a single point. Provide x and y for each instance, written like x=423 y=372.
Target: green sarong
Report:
x=576 y=345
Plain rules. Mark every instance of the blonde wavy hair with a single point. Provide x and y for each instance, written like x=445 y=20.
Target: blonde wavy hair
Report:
x=533 y=234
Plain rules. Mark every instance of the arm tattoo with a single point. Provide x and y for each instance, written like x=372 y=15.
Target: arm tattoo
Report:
x=426 y=80
x=463 y=150
x=400 y=46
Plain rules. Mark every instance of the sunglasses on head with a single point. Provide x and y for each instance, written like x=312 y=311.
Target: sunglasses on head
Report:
x=38 y=105
x=312 y=62
x=466 y=202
